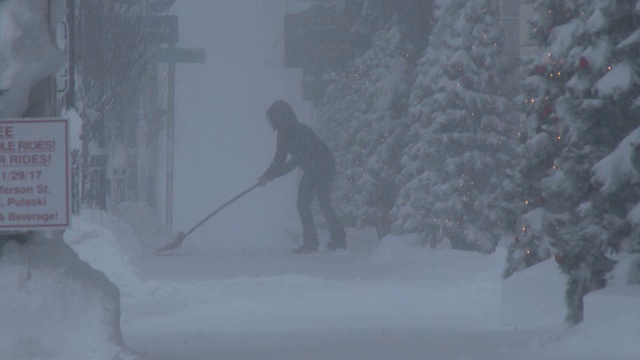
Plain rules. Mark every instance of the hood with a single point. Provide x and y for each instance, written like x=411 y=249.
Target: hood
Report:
x=281 y=115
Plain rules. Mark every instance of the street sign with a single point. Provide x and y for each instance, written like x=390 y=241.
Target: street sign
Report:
x=34 y=174
x=317 y=38
x=180 y=55
x=162 y=28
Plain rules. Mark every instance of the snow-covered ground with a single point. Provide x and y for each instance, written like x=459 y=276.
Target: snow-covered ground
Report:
x=390 y=300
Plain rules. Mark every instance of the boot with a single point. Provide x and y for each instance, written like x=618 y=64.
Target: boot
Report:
x=337 y=241
x=309 y=240
x=305 y=248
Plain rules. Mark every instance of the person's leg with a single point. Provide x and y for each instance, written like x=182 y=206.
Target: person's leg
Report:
x=337 y=233
x=306 y=190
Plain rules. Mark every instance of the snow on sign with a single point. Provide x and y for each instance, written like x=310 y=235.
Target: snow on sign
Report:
x=34 y=174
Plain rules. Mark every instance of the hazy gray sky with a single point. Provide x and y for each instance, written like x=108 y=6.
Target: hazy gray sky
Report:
x=223 y=142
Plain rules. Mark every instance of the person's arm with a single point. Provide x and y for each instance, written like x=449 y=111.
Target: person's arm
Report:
x=288 y=167
x=273 y=169
x=278 y=168
x=278 y=164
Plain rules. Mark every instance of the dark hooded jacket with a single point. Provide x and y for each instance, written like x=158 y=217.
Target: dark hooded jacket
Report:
x=297 y=140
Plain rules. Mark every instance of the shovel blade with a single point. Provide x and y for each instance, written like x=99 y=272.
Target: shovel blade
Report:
x=174 y=244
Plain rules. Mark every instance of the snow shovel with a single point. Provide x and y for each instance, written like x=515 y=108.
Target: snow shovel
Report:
x=182 y=235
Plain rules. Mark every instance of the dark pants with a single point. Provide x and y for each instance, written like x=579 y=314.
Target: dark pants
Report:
x=319 y=184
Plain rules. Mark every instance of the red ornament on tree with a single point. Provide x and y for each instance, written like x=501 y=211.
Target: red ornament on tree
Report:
x=584 y=63
x=540 y=69
x=559 y=259
x=547 y=109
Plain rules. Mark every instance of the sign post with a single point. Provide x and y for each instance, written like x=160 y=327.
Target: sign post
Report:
x=172 y=55
x=165 y=32
x=34 y=174
x=163 y=28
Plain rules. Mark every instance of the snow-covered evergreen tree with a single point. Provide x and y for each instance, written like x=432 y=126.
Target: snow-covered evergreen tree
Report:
x=603 y=99
x=581 y=95
x=362 y=119
x=543 y=132
x=460 y=140
x=617 y=177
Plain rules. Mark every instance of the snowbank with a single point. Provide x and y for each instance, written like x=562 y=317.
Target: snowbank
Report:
x=610 y=330
x=52 y=304
x=611 y=326
x=109 y=245
x=534 y=297
x=55 y=306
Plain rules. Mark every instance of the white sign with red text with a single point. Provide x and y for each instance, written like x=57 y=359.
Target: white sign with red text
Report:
x=34 y=174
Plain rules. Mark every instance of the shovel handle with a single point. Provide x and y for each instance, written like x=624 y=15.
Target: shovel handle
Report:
x=219 y=209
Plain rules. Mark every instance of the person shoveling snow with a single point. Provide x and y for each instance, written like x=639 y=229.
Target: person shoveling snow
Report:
x=308 y=152
x=304 y=149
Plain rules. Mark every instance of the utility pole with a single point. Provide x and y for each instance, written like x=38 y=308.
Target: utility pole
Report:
x=171 y=119
x=71 y=22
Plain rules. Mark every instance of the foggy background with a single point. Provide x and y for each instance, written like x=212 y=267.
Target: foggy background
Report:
x=223 y=141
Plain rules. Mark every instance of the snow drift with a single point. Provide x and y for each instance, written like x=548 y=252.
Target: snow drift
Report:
x=55 y=306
